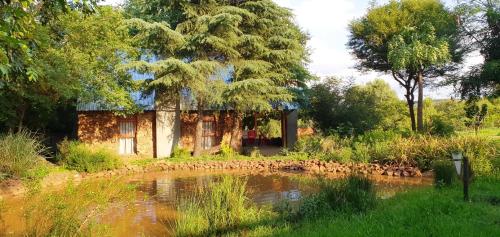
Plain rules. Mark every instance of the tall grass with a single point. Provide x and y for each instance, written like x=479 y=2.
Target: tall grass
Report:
x=416 y=150
x=80 y=157
x=354 y=194
x=219 y=208
x=75 y=210
x=20 y=154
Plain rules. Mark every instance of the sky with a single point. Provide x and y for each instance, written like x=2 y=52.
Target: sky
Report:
x=326 y=22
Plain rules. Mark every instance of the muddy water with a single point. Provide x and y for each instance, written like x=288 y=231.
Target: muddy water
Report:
x=154 y=210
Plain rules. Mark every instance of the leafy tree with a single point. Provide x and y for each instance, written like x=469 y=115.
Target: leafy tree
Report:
x=416 y=49
x=475 y=115
x=75 y=58
x=397 y=22
x=480 y=27
x=335 y=105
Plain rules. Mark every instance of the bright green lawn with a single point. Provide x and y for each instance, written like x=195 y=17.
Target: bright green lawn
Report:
x=424 y=212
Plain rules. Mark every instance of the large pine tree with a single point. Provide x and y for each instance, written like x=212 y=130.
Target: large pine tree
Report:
x=256 y=40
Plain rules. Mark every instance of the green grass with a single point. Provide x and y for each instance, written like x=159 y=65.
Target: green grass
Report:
x=423 y=212
x=219 y=208
x=21 y=156
x=75 y=210
x=84 y=158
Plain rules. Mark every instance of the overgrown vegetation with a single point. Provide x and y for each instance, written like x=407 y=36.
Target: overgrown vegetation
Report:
x=21 y=156
x=425 y=211
x=389 y=147
x=84 y=158
x=75 y=210
x=219 y=208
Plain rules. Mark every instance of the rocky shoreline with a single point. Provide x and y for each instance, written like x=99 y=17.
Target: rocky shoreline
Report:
x=16 y=187
x=315 y=166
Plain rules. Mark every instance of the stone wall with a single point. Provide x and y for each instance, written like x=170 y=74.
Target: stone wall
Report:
x=145 y=134
x=102 y=128
x=223 y=121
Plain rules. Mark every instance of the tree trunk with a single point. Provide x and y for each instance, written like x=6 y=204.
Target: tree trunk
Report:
x=198 y=146
x=22 y=113
x=411 y=103
x=235 y=141
x=420 y=104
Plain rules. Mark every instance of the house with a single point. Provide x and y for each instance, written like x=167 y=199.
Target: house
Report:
x=162 y=126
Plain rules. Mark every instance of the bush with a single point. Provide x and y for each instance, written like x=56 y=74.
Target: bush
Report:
x=440 y=127
x=342 y=155
x=180 y=153
x=80 y=157
x=352 y=194
x=309 y=144
x=20 y=154
x=355 y=193
x=216 y=209
x=361 y=153
x=444 y=173
x=227 y=151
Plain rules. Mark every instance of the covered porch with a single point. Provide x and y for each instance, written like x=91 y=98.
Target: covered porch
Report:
x=270 y=132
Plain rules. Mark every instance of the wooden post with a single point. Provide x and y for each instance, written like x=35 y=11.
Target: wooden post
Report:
x=466 y=179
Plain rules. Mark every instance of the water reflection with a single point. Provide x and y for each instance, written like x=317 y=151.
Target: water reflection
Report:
x=154 y=211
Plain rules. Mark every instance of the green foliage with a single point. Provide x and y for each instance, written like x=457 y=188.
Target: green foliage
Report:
x=416 y=48
x=74 y=57
x=181 y=153
x=361 y=153
x=220 y=207
x=435 y=212
x=75 y=210
x=410 y=38
x=334 y=106
x=20 y=155
x=480 y=26
x=444 y=172
x=389 y=147
x=271 y=128
x=440 y=127
x=227 y=151
x=83 y=158
x=475 y=115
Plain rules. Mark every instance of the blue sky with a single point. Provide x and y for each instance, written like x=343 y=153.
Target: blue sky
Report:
x=326 y=22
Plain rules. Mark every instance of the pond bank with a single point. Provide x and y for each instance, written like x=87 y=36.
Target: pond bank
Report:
x=17 y=187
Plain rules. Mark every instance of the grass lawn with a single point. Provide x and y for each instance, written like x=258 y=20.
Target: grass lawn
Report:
x=423 y=212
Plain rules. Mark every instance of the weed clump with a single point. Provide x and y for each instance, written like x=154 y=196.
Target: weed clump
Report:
x=81 y=157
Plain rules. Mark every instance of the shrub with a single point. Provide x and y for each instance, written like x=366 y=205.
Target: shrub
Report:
x=271 y=128
x=380 y=151
x=309 y=144
x=355 y=193
x=227 y=151
x=361 y=152
x=75 y=210
x=481 y=151
x=342 y=155
x=180 y=153
x=20 y=154
x=216 y=209
x=377 y=136
x=80 y=157
x=440 y=127
x=352 y=194
x=444 y=173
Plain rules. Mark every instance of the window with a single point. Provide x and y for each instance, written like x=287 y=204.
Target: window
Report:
x=208 y=140
x=127 y=137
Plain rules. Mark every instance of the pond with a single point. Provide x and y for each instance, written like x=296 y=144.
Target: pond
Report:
x=154 y=210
